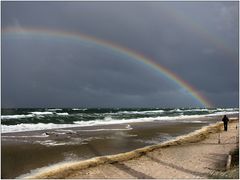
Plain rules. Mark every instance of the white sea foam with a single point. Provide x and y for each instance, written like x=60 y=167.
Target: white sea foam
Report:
x=227 y=109
x=33 y=127
x=62 y=114
x=222 y=113
x=232 y=109
x=42 y=113
x=16 y=116
x=176 y=110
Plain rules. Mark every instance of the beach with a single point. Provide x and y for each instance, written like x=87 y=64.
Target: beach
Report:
x=195 y=155
x=28 y=148
x=118 y=89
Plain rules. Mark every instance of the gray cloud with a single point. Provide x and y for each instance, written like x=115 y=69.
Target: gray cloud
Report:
x=198 y=41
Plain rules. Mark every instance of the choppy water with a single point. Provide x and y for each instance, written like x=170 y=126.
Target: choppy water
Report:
x=16 y=120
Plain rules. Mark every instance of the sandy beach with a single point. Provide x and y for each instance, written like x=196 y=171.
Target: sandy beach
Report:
x=195 y=155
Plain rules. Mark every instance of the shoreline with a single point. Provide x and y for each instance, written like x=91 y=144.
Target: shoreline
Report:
x=63 y=170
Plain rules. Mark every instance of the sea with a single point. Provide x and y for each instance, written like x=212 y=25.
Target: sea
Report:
x=27 y=119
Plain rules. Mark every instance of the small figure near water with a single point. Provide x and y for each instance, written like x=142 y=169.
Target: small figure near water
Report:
x=225 y=122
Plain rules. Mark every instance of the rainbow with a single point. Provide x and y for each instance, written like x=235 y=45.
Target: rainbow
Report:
x=115 y=48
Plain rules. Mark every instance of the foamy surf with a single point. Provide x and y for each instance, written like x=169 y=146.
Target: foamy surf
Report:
x=16 y=116
x=42 y=113
x=33 y=127
x=62 y=114
x=106 y=121
x=44 y=119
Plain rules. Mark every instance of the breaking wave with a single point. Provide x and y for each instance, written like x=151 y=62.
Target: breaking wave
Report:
x=50 y=119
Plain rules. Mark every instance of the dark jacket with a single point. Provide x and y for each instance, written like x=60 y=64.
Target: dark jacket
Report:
x=225 y=119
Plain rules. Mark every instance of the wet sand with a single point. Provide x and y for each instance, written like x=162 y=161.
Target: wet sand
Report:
x=26 y=151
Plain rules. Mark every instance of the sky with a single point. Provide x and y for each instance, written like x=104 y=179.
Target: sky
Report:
x=197 y=41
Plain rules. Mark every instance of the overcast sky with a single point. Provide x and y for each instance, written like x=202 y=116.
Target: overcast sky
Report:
x=198 y=41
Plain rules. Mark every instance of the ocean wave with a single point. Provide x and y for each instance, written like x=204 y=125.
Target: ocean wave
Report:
x=227 y=109
x=42 y=113
x=232 y=109
x=222 y=113
x=33 y=127
x=54 y=109
x=62 y=114
x=181 y=118
x=32 y=114
x=109 y=121
x=41 y=126
x=175 y=110
x=77 y=109
x=17 y=116
x=139 y=112
x=192 y=110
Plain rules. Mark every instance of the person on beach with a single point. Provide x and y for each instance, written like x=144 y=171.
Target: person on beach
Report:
x=225 y=122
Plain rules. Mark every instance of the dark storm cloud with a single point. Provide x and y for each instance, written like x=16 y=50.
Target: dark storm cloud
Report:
x=195 y=40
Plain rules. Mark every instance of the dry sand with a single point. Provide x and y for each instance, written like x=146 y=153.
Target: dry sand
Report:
x=195 y=155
